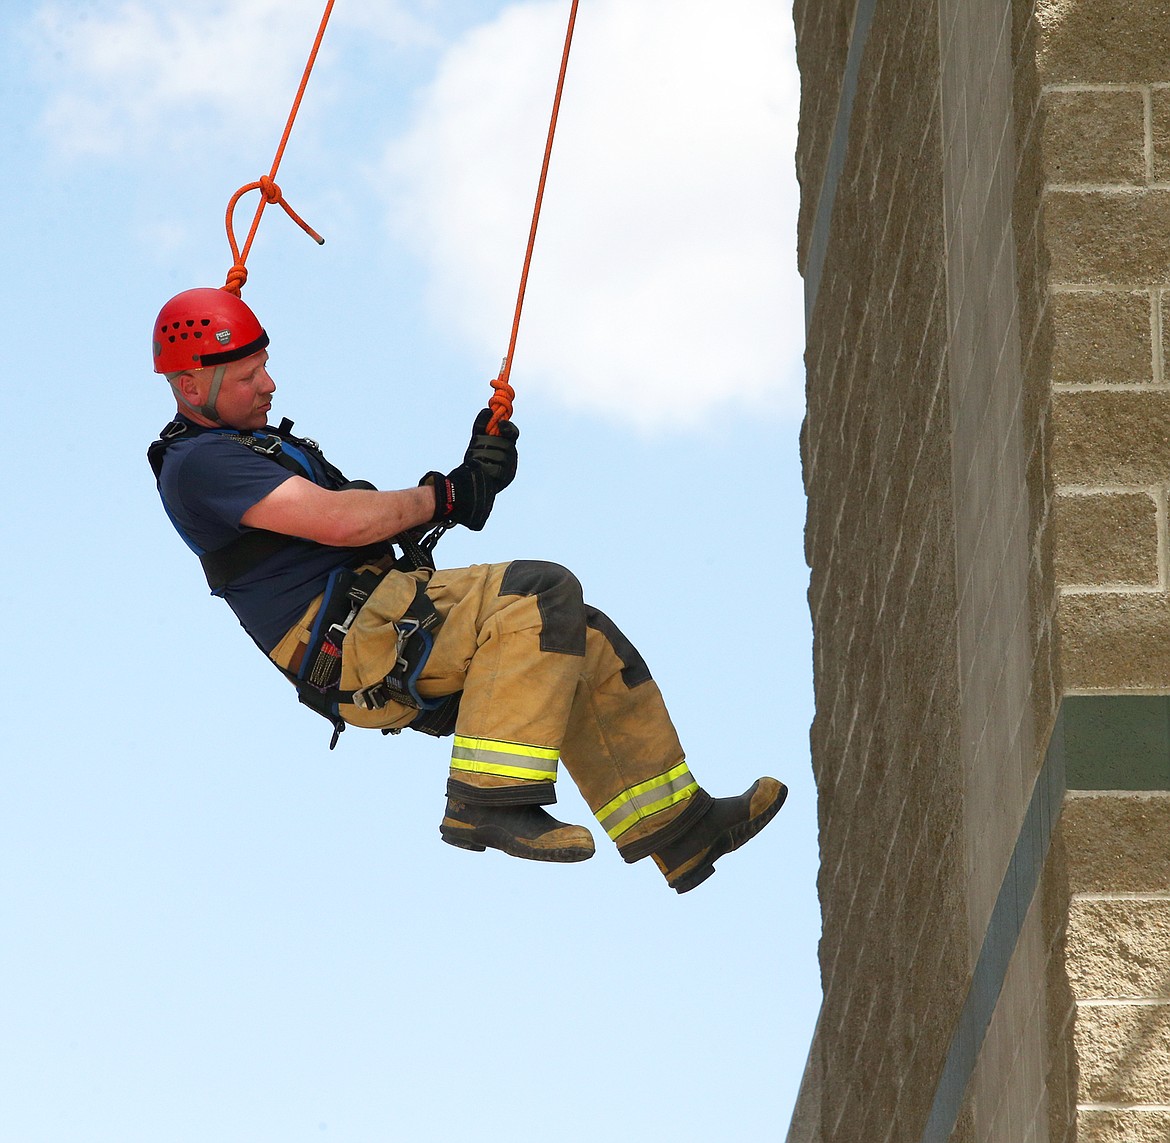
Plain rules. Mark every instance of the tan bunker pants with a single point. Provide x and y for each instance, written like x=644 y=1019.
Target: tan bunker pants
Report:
x=544 y=677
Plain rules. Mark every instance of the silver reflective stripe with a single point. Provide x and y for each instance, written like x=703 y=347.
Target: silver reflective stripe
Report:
x=647 y=798
x=507 y=759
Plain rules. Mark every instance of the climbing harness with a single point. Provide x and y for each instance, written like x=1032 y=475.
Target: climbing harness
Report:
x=315 y=670
x=252 y=548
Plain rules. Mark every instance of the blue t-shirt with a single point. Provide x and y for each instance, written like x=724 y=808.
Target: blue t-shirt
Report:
x=207 y=484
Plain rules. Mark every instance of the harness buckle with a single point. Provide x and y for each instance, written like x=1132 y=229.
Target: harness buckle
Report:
x=338 y=631
x=373 y=697
x=406 y=627
x=266 y=446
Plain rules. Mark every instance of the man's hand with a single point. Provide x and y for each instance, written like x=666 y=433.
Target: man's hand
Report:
x=464 y=496
x=496 y=454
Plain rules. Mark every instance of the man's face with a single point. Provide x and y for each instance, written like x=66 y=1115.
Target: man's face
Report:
x=245 y=394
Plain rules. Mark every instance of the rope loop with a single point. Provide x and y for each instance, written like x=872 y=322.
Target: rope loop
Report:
x=269 y=193
x=266 y=184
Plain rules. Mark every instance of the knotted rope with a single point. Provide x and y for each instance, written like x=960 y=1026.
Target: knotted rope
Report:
x=266 y=184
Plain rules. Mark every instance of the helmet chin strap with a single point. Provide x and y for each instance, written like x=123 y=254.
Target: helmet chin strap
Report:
x=207 y=410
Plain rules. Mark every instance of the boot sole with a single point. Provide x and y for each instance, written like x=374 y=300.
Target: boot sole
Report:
x=727 y=842
x=492 y=837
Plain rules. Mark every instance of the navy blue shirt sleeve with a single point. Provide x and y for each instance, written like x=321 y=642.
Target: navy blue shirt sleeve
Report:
x=212 y=482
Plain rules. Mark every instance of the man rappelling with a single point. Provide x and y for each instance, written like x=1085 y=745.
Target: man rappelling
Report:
x=335 y=582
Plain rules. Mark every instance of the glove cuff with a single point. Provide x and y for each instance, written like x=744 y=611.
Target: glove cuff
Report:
x=444 y=495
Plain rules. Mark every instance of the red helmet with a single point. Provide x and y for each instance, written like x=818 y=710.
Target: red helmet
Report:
x=203 y=327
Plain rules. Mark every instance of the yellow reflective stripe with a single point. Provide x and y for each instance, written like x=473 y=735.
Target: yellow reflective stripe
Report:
x=507 y=759
x=646 y=798
x=635 y=792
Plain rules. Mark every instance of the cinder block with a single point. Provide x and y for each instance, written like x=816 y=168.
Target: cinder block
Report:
x=1106 y=238
x=1101 y=337
x=1117 y=843
x=1109 y=538
x=1123 y=1126
x=1094 y=137
x=1115 y=640
x=1123 y=41
x=1123 y=1052
x=1119 y=949
x=1111 y=438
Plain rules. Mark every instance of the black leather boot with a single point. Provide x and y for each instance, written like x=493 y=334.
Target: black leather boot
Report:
x=486 y=819
x=728 y=823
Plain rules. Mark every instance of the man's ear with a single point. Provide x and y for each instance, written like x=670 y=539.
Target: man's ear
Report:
x=190 y=388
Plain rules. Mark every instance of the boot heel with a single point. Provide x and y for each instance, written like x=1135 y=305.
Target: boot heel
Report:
x=696 y=877
x=462 y=842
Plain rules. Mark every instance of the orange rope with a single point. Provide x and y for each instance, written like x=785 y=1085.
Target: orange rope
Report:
x=501 y=400
x=266 y=184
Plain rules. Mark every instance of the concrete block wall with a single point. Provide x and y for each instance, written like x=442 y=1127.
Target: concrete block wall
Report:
x=985 y=241
x=1105 y=73
x=929 y=538
x=1119 y=962
x=878 y=472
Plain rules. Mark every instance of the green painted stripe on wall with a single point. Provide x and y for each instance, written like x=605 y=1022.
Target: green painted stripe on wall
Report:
x=1117 y=742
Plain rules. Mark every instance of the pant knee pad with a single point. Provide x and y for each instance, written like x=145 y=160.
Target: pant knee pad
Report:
x=559 y=598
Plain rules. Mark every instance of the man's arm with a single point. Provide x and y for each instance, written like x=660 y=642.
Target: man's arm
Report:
x=350 y=518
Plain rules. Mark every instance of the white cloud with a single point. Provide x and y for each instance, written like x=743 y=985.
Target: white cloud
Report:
x=147 y=74
x=664 y=281
x=663 y=287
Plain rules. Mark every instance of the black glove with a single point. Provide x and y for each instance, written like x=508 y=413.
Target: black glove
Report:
x=496 y=455
x=464 y=496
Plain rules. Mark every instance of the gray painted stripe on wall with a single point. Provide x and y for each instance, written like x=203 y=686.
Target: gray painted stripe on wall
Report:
x=819 y=242
x=1003 y=933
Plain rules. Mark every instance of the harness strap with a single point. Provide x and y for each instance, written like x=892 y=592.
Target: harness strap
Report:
x=248 y=551
x=320 y=670
x=243 y=554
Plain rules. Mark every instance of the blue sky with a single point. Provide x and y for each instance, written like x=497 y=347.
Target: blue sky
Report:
x=213 y=929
